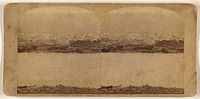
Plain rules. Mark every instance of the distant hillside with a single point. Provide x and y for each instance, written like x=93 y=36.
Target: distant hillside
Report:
x=103 y=45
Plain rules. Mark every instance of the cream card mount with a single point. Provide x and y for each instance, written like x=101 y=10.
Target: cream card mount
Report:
x=99 y=49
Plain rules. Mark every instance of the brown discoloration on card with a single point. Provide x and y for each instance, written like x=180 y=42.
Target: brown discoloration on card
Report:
x=100 y=49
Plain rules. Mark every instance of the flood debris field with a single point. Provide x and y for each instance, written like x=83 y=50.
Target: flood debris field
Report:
x=61 y=89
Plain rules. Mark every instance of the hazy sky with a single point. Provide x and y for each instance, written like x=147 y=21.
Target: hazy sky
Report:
x=143 y=23
x=64 y=23
x=58 y=23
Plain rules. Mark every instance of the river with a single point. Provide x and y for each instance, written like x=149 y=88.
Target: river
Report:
x=93 y=70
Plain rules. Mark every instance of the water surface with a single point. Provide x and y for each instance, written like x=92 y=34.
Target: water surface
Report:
x=93 y=70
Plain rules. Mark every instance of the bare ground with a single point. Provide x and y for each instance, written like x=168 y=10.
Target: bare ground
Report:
x=61 y=89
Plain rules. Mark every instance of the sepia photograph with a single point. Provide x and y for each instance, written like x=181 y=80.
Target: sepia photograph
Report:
x=101 y=48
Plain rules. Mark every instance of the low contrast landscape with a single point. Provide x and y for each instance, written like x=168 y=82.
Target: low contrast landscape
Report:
x=128 y=50
x=61 y=89
x=104 y=45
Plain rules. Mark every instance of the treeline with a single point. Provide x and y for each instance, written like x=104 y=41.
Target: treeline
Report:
x=104 y=45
